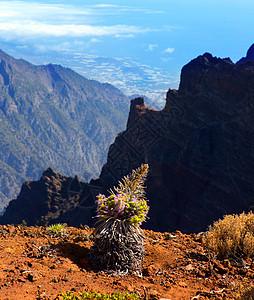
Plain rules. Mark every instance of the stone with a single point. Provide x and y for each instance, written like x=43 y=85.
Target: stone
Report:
x=182 y=284
x=149 y=271
x=33 y=276
x=189 y=267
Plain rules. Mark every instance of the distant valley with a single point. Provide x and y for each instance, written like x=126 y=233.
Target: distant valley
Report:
x=127 y=74
x=52 y=116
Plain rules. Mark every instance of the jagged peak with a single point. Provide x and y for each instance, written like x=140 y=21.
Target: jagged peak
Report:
x=250 y=52
x=249 y=56
x=49 y=172
x=137 y=104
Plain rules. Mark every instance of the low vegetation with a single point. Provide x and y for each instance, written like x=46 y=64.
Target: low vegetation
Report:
x=232 y=236
x=246 y=294
x=56 y=230
x=98 y=296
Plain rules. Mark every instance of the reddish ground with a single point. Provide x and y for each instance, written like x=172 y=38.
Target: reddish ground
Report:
x=34 y=265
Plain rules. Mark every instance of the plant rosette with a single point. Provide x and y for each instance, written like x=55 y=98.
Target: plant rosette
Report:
x=122 y=207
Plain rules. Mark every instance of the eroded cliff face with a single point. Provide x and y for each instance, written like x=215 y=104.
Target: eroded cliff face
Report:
x=199 y=147
x=200 y=150
x=52 y=199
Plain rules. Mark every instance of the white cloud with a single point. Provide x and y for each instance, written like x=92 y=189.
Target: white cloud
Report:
x=7 y=13
x=71 y=30
x=94 y=40
x=105 y=5
x=128 y=36
x=169 y=50
x=34 y=19
x=151 y=47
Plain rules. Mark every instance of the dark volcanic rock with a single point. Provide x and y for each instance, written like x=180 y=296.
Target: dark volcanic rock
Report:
x=200 y=150
x=199 y=147
x=249 y=57
x=46 y=200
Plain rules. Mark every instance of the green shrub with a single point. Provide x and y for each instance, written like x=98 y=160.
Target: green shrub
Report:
x=56 y=230
x=98 y=296
x=233 y=235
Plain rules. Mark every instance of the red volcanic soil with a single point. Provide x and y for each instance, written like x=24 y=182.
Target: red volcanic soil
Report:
x=34 y=265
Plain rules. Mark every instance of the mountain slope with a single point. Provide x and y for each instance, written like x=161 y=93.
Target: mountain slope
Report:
x=199 y=148
x=52 y=116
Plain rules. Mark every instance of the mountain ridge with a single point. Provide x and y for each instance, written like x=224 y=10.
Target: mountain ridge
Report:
x=199 y=149
x=52 y=116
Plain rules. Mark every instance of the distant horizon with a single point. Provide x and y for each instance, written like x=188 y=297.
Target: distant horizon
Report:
x=148 y=41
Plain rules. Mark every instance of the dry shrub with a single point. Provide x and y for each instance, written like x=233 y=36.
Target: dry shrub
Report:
x=233 y=235
x=246 y=294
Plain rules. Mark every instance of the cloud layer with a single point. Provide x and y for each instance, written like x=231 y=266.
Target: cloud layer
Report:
x=30 y=19
x=35 y=29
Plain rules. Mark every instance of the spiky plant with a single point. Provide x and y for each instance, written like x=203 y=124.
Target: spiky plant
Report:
x=118 y=240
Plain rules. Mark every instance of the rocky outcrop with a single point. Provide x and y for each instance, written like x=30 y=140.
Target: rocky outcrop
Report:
x=199 y=147
x=48 y=200
x=249 y=56
x=200 y=150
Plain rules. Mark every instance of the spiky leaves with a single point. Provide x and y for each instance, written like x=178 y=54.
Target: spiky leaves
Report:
x=118 y=240
x=118 y=247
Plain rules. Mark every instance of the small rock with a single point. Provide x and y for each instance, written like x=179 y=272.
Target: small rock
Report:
x=189 y=267
x=11 y=229
x=227 y=263
x=182 y=284
x=151 y=280
x=168 y=236
x=154 y=295
x=32 y=276
x=65 y=279
x=148 y=271
x=220 y=268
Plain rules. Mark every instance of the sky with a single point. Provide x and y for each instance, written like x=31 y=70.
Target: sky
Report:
x=163 y=34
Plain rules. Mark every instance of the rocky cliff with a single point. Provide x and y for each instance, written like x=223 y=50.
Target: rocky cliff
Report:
x=199 y=149
x=52 y=199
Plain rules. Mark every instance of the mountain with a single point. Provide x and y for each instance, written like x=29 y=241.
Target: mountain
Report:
x=249 y=56
x=127 y=74
x=52 y=116
x=200 y=147
x=200 y=150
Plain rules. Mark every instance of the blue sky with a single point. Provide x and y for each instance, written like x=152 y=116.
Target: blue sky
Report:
x=164 y=34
